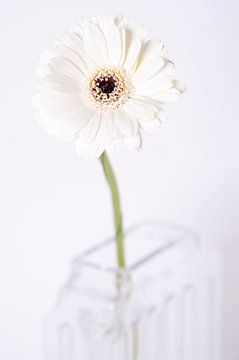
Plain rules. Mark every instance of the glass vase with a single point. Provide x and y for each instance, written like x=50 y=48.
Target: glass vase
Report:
x=165 y=305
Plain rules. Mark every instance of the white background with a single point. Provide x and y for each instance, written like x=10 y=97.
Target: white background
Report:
x=53 y=204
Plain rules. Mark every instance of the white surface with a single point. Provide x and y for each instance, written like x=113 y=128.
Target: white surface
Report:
x=53 y=204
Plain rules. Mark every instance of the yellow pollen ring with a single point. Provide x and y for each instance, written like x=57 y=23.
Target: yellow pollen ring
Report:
x=109 y=88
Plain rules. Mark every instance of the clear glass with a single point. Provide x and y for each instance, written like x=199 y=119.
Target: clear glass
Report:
x=104 y=313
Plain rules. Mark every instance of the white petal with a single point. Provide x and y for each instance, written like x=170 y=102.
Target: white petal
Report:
x=153 y=48
x=161 y=81
x=167 y=96
x=94 y=42
x=42 y=68
x=112 y=37
x=128 y=126
x=64 y=124
x=88 y=133
x=139 y=109
x=148 y=70
x=150 y=126
x=103 y=136
x=111 y=123
x=119 y=124
x=115 y=145
x=154 y=86
x=133 y=42
x=88 y=151
x=161 y=116
x=133 y=143
x=152 y=59
x=71 y=47
x=122 y=33
x=180 y=86
x=60 y=65
x=59 y=83
x=168 y=69
x=60 y=103
x=157 y=105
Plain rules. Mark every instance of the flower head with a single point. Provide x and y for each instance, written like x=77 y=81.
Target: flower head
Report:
x=102 y=84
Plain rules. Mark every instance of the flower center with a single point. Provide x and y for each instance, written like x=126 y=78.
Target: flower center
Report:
x=109 y=88
x=106 y=85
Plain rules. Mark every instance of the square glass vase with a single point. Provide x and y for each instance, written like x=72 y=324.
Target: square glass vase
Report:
x=163 y=306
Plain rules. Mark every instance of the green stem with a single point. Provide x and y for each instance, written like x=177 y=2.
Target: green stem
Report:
x=110 y=177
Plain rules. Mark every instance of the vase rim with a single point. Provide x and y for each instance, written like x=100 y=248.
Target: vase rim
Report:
x=183 y=236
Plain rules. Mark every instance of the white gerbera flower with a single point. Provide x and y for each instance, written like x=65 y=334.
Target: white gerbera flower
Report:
x=102 y=84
